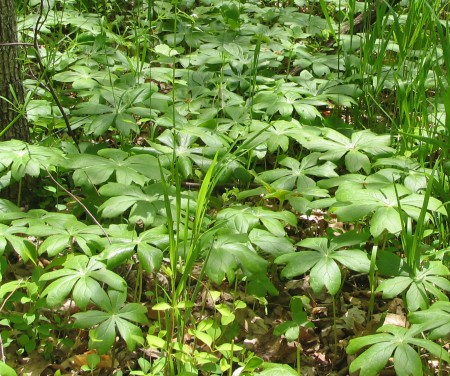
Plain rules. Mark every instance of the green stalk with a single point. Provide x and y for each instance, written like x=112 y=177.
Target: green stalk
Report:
x=230 y=370
x=255 y=70
x=202 y=202
x=372 y=278
x=414 y=255
x=444 y=84
x=325 y=12
x=335 y=340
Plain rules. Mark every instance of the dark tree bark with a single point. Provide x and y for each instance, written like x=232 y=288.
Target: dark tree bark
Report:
x=10 y=75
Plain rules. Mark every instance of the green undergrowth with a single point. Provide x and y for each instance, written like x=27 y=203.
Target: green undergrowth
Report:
x=223 y=152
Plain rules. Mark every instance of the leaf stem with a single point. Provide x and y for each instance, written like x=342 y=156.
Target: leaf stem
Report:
x=82 y=205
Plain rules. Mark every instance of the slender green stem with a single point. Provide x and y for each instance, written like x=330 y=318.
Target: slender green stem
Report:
x=230 y=370
x=372 y=279
x=335 y=339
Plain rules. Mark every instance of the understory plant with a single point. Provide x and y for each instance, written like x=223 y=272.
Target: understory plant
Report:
x=207 y=178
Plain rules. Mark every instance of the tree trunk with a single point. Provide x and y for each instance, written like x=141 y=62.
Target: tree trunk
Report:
x=11 y=86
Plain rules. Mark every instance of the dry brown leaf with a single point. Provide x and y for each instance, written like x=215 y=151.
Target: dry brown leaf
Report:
x=77 y=361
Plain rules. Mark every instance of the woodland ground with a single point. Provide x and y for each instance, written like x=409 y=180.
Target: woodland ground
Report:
x=247 y=188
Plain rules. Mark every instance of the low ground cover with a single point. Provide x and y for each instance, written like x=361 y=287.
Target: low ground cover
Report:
x=248 y=188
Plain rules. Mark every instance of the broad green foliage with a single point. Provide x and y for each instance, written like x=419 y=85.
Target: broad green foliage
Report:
x=273 y=369
x=19 y=159
x=435 y=319
x=92 y=169
x=146 y=204
x=243 y=219
x=431 y=279
x=387 y=204
x=7 y=370
x=219 y=142
x=277 y=135
x=64 y=231
x=395 y=341
x=81 y=277
x=354 y=150
x=230 y=252
x=323 y=258
x=115 y=316
x=23 y=247
x=185 y=147
x=296 y=173
x=144 y=245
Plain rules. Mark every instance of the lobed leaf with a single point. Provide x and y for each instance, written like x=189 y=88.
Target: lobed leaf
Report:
x=373 y=360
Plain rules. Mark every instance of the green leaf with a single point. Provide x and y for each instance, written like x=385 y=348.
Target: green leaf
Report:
x=418 y=201
x=275 y=369
x=7 y=206
x=318 y=244
x=373 y=360
x=355 y=161
x=416 y=297
x=326 y=273
x=117 y=254
x=433 y=348
x=6 y=370
x=270 y=244
x=356 y=344
x=125 y=123
x=102 y=300
x=243 y=219
x=297 y=173
x=299 y=315
x=406 y=361
x=101 y=124
x=92 y=360
x=436 y=319
x=79 y=269
x=89 y=319
x=92 y=109
x=202 y=336
x=229 y=347
x=390 y=264
x=292 y=333
x=58 y=290
x=156 y=342
x=112 y=279
x=8 y=287
x=227 y=255
x=150 y=257
x=393 y=287
x=115 y=206
x=84 y=290
x=385 y=218
x=24 y=159
x=117 y=317
x=348 y=212
x=24 y=248
x=131 y=333
x=54 y=245
x=306 y=111
x=163 y=306
x=353 y=259
x=144 y=203
x=297 y=263
x=164 y=49
x=93 y=169
x=84 y=77
x=104 y=336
